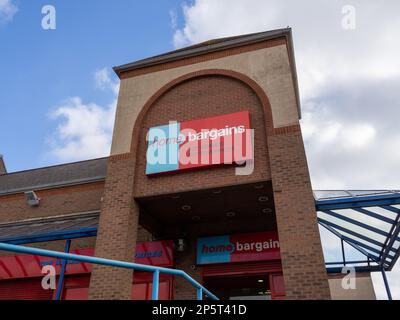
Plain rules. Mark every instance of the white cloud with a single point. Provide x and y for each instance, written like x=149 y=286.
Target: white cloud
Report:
x=174 y=18
x=326 y=132
x=7 y=10
x=103 y=80
x=84 y=129
x=324 y=51
x=348 y=81
x=351 y=136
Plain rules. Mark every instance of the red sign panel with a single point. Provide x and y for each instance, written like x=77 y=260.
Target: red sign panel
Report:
x=216 y=140
x=224 y=139
x=157 y=253
x=238 y=248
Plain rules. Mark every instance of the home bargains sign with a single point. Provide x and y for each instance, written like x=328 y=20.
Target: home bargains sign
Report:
x=238 y=248
x=224 y=139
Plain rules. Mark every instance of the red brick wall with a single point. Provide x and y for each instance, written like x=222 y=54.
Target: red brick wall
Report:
x=196 y=99
x=117 y=234
x=302 y=258
x=54 y=202
x=185 y=261
x=281 y=158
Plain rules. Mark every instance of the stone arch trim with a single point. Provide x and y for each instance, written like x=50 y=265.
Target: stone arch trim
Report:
x=202 y=73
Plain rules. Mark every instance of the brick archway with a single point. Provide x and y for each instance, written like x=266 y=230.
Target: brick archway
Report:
x=117 y=233
x=199 y=97
x=203 y=73
x=294 y=205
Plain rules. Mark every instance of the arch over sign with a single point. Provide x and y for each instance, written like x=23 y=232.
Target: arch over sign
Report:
x=203 y=73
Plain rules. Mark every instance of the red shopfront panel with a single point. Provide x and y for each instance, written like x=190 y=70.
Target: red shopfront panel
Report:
x=142 y=291
x=277 y=286
x=273 y=269
x=24 y=289
x=77 y=287
x=234 y=269
x=21 y=275
x=155 y=253
x=143 y=286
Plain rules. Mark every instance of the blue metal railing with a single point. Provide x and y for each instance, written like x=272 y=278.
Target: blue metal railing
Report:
x=114 y=263
x=62 y=272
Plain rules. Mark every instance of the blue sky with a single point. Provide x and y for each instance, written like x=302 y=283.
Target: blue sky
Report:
x=58 y=92
x=40 y=68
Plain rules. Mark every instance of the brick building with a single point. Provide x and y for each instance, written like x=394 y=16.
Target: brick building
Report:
x=114 y=208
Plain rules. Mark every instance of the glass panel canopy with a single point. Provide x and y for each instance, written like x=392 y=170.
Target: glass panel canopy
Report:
x=366 y=220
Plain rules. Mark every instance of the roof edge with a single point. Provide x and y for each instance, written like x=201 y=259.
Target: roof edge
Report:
x=230 y=42
x=58 y=165
x=292 y=61
x=54 y=185
x=77 y=215
x=196 y=50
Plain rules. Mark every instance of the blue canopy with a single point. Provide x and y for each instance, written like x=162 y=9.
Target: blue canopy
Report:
x=368 y=221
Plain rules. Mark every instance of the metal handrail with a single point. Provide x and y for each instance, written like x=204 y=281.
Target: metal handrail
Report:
x=115 y=263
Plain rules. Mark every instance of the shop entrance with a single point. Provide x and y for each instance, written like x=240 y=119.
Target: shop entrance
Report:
x=244 y=287
x=245 y=281
x=232 y=209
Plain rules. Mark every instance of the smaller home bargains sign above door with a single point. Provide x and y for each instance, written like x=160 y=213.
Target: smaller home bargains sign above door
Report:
x=260 y=246
x=177 y=146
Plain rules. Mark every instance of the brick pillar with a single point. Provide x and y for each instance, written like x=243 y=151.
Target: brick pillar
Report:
x=302 y=258
x=116 y=237
x=184 y=261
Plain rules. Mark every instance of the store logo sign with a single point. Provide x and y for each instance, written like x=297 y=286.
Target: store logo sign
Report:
x=177 y=146
x=238 y=248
